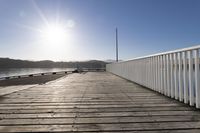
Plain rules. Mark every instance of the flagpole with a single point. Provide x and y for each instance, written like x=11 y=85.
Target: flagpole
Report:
x=116 y=45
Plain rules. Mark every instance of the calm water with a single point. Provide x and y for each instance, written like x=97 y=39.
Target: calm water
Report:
x=25 y=71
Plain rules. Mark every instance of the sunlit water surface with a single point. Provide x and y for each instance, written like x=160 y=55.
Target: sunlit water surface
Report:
x=24 y=71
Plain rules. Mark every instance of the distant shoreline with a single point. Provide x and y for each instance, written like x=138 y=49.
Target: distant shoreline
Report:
x=13 y=63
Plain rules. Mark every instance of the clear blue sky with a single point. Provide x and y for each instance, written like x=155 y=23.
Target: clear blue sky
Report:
x=145 y=27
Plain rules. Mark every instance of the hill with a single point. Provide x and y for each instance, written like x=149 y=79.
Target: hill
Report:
x=13 y=63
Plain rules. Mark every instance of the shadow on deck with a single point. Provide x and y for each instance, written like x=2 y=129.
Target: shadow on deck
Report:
x=94 y=102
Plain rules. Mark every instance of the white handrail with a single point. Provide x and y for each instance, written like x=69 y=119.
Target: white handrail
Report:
x=164 y=53
x=175 y=74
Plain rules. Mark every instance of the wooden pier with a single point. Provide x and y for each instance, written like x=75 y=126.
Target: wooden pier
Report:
x=94 y=102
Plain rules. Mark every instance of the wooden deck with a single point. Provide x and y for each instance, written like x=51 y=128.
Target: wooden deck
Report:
x=94 y=102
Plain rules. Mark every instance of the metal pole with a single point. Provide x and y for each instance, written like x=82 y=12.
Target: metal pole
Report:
x=116 y=45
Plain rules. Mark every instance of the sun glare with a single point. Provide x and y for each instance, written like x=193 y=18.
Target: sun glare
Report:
x=56 y=38
x=55 y=34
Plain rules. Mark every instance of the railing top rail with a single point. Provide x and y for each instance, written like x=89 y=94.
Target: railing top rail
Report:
x=164 y=53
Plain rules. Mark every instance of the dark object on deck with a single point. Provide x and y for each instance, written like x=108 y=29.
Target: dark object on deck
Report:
x=75 y=71
x=19 y=76
x=92 y=69
x=65 y=72
x=42 y=73
x=7 y=77
x=54 y=73
x=31 y=75
x=100 y=69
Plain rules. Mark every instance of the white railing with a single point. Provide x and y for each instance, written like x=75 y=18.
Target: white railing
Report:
x=174 y=73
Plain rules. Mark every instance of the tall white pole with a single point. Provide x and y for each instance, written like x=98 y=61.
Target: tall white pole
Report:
x=116 y=45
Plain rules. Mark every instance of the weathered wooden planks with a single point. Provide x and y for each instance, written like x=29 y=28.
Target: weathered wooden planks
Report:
x=94 y=102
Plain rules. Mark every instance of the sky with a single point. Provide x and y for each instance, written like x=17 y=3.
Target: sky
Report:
x=78 y=30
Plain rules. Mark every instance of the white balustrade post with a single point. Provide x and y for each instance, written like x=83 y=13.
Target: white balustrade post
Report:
x=158 y=66
x=180 y=76
x=162 y=75
x=197 y=85
x=185 y=77
x=175 y=76
x=191 y=86
x=168 y=76
x=155 y=72
x=172 y=75
x=165 y=75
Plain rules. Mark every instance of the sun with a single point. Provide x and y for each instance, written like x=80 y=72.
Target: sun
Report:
x=56 y=38
x=54 y=34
